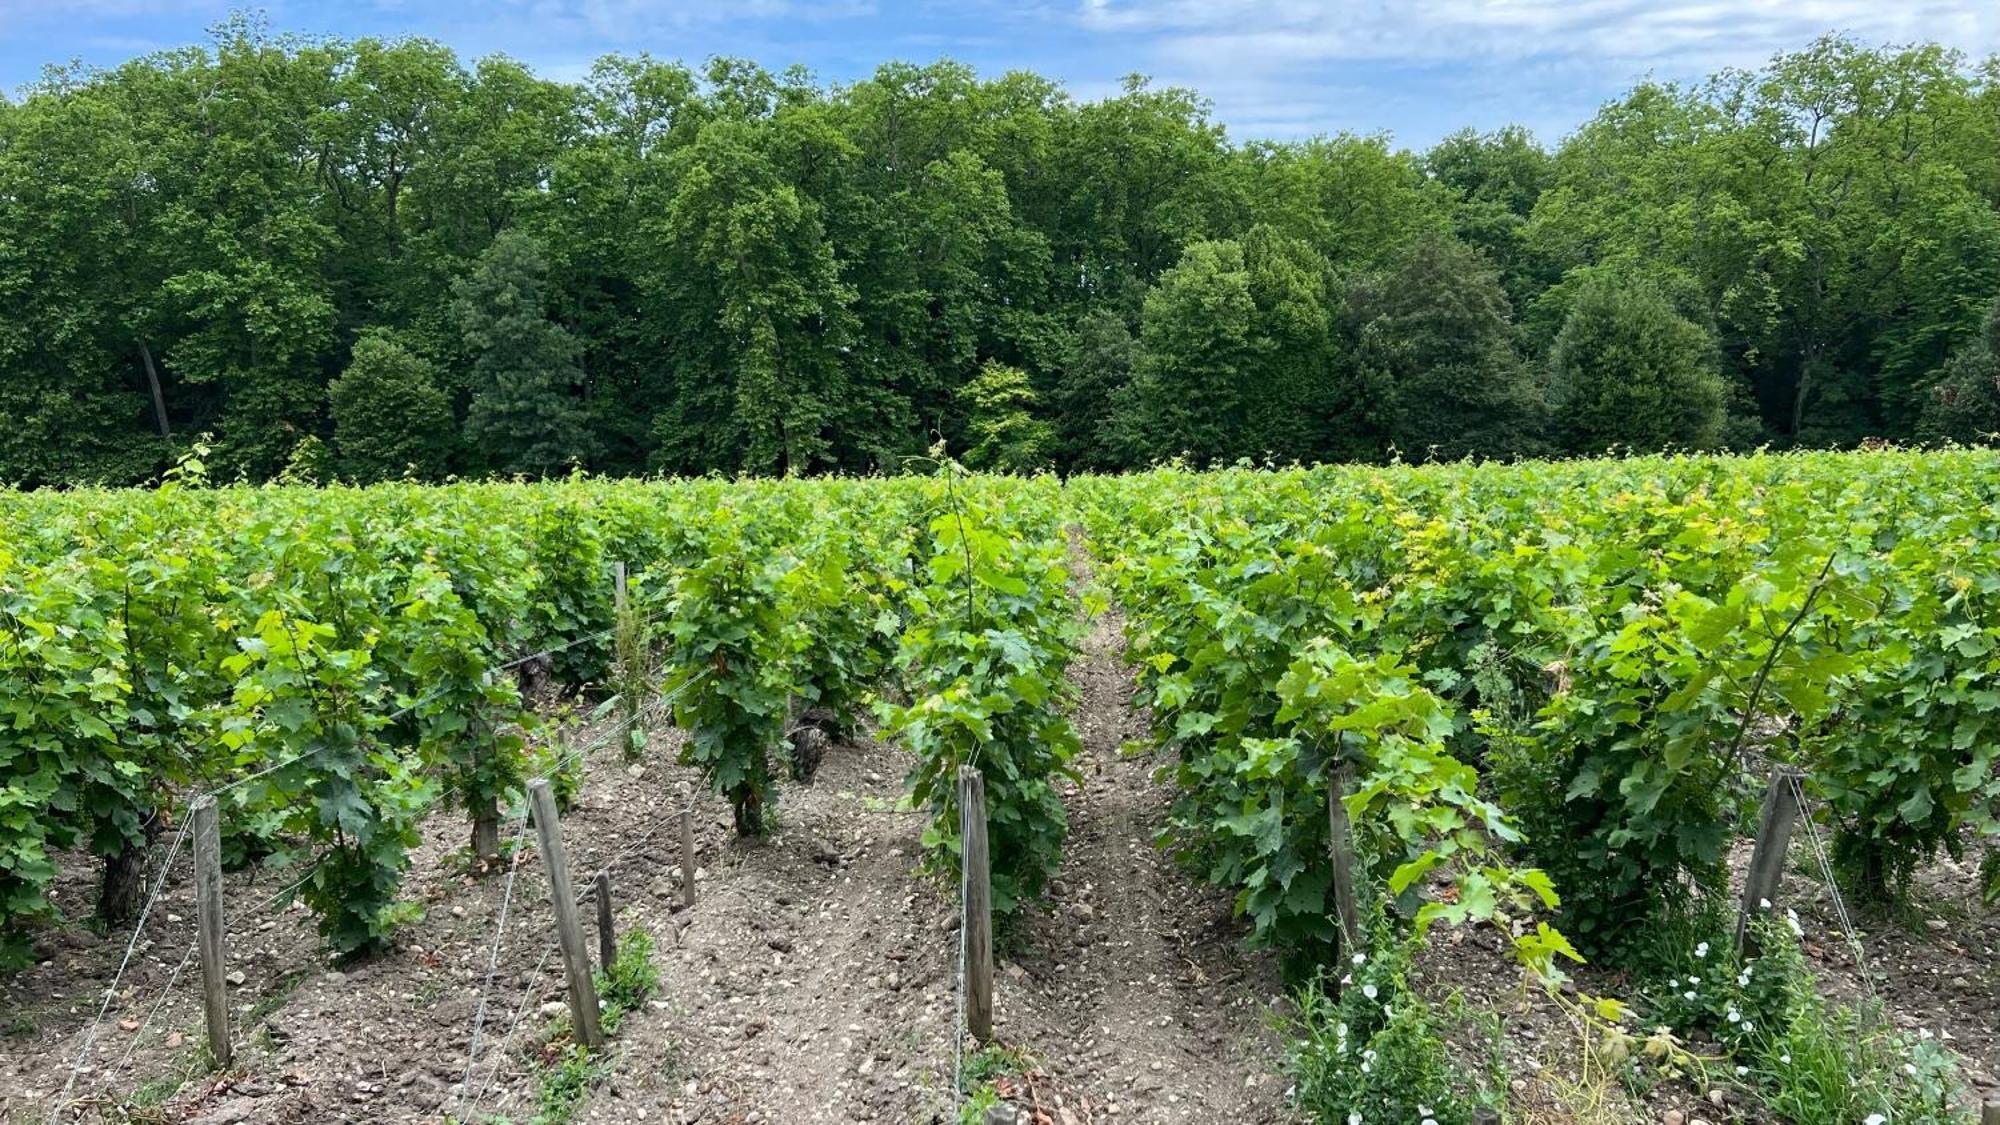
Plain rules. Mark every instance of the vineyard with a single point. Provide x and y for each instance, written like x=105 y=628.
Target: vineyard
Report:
x=1336 y=794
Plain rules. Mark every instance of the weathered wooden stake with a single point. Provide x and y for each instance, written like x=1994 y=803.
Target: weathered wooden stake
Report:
x=607 y=938
x=1340 y=844
x=1767 y=860
x=977 y=888
x=569 y=932
x=1989 y=1114
x=208 y=927
x=1485 y=1116
x=618 y=589
x=687 y=858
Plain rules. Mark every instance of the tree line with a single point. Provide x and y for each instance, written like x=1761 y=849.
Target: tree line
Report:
x=367 y=259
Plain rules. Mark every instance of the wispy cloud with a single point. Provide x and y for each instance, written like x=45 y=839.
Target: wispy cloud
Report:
x=1546 y=63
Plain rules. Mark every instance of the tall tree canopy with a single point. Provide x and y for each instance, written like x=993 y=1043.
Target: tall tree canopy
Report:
x=662 y=267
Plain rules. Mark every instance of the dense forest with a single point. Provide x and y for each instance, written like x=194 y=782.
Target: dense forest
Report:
x=361 y=260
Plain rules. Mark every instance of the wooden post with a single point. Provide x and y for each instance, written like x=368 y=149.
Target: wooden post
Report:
x=618 y=589
x=1989 y=1114
x=1340 y=844
x=607 y=938
x=208 y=929
x=977 y=888
x=1485 y=1116
x=687 y=858
x=576 y=958
x=1767 y=860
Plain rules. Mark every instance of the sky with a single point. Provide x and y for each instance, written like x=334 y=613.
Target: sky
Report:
x=1416 y=69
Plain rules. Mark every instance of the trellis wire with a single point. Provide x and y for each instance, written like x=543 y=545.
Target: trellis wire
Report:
x=1840 y=911
x=111 y=992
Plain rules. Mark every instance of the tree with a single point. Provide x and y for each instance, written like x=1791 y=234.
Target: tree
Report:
x=389 y=418
x=1495 y=180
x=754 y=293
x=1962 y=403
x=1195 y=352
x=1435 y=370
x=1096 y=366
x=1006 y=435
x=1831 y=207
x=524 y=417
x=757 y=272
x=1627 y=370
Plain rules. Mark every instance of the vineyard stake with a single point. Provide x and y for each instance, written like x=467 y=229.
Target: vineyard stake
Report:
x=1767 y=861
x=618 y=589
x=1989 y=1114
x=976 y=887
x=607 y=938
x=576 y=959
x=1340 y=843
x=687 y=858
x=208 y=926
x=1485 y=1116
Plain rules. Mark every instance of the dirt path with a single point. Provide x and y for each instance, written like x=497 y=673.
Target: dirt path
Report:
x=1131 y=985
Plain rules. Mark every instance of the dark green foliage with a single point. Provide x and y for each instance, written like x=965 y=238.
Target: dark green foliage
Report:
x=1435 y=371
x=1235 y=358
x=1811 y=1060
x=1096 y=365
x=1196 y=353
x=572 y=599
x=726 y=268
x=524 y=416
x=1628 y=371
x=1963 y=404
x=389 y=419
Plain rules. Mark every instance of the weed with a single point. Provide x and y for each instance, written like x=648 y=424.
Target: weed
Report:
x=565 y=1085
x=631 y=979
x=1368 y=1048
x=992 y=1061
x=1813 y=1062
x=973 y=1110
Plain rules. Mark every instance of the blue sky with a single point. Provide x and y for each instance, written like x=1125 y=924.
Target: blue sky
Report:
x=1293 y=68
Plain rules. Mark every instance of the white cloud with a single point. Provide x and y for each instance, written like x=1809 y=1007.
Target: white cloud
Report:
x=614 y=19
x=1439 y=30
x=1546 y=63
